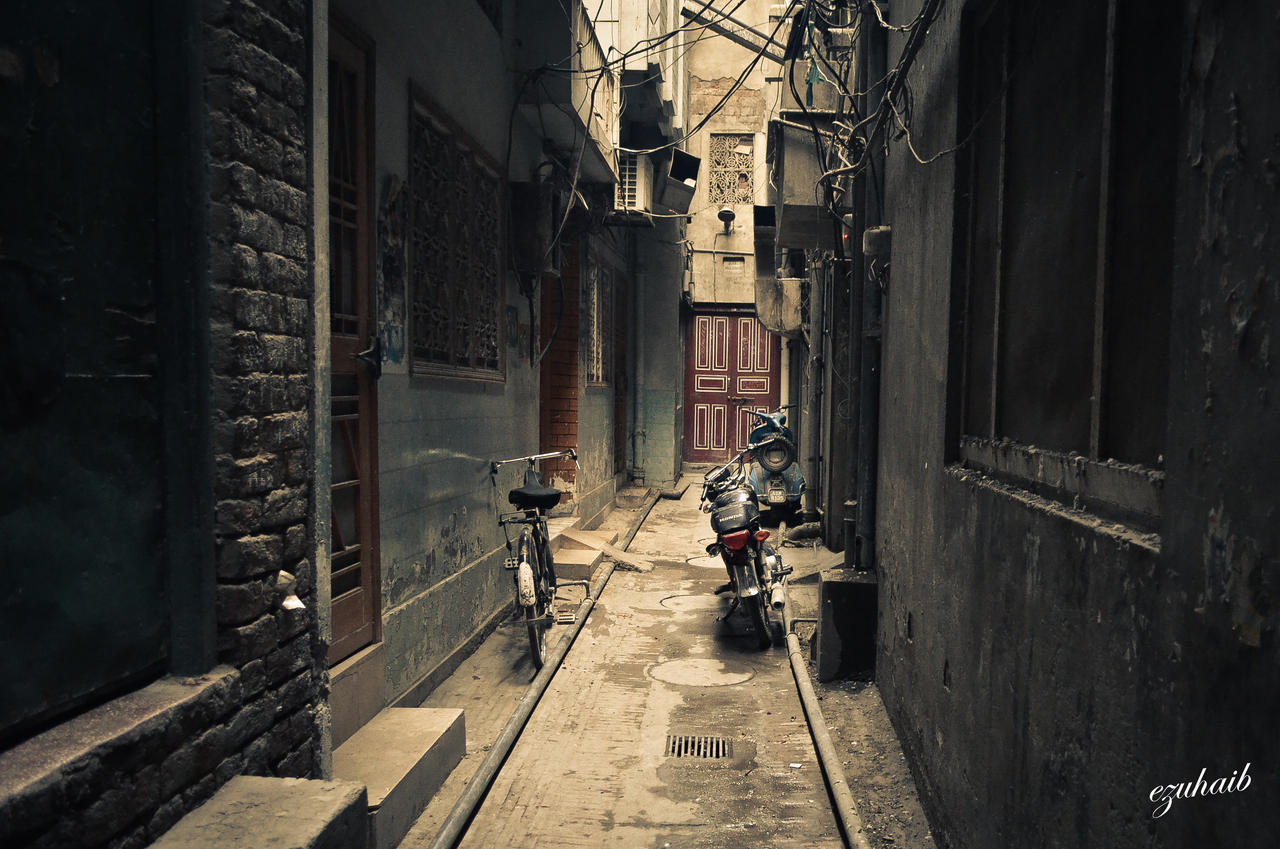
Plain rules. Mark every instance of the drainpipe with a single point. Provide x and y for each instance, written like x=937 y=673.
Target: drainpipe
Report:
x=873 y=68
x=811 y=383
x=636 y=338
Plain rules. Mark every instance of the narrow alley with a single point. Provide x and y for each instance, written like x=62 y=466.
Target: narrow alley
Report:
x=327 y=322
x=656 y=661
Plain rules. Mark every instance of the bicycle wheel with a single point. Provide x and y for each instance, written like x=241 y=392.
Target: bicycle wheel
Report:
x=760 y=620
x=535 y=613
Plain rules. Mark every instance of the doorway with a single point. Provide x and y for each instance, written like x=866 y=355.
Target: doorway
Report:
x=354 y=565
x=731 y=366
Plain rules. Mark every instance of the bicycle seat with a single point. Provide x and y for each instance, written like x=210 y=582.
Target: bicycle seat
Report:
x=533 y=495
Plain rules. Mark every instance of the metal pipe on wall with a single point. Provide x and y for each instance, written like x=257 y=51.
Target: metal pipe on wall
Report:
x=874 y=69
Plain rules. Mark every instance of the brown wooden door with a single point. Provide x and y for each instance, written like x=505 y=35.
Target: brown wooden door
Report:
x=353 y=557
x=732 y=365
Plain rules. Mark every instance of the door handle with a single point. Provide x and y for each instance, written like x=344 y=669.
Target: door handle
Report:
x=371 y=357
x=738 y=399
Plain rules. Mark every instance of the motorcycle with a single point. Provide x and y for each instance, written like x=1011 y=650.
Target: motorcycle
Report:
x=774 y=473
x=756 y=572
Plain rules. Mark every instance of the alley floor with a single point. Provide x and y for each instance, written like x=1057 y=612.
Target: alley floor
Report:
x=655 y=661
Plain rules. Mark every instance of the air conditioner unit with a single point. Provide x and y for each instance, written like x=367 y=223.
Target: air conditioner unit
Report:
x=635 y=183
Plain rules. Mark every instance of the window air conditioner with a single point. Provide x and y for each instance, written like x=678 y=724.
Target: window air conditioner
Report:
x=635 y=183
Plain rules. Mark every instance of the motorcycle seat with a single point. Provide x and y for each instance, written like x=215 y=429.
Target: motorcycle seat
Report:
x=533 y=495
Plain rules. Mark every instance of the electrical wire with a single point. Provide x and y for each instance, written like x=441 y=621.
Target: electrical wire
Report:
x=724 y=99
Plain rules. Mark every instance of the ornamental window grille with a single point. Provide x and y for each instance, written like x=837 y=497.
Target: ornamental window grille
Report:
x=455 y=244
x=598 y=294
x=732 y=165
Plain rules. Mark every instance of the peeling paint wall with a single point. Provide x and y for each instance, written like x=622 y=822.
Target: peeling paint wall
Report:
x=442 y=549
x=1047 y=667
x=659 y=355
x=723 y=269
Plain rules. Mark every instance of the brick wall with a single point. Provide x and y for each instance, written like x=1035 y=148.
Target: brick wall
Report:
x=744 y=110
x=560 y=371
x=262 y=337
x=121 y=774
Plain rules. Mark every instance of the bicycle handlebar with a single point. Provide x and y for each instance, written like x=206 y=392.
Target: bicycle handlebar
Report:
x=534 y=458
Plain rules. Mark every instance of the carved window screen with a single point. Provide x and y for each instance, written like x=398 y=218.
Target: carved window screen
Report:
x=732 y=168
x=455 y=252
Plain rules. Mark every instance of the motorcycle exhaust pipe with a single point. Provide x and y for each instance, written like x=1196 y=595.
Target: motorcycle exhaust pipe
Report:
x=778 y=597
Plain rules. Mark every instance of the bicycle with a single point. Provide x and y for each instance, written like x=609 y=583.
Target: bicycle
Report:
x=531 y=560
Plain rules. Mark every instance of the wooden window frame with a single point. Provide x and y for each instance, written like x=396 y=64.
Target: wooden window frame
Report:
x=598 y=327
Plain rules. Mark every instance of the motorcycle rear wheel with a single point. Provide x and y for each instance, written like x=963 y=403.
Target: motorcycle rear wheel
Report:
x=535 y=614
x=760 y=620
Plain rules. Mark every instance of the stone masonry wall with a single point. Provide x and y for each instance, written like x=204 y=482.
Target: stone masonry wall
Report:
x=121 y=774
x=262 y=335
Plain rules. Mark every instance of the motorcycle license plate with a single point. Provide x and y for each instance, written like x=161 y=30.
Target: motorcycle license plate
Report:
x=777 y=496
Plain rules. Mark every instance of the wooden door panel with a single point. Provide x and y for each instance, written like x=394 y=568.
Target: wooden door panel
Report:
x=353 y=557
x=731 y=367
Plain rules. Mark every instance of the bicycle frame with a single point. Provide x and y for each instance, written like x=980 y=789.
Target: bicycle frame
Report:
x=530 y=557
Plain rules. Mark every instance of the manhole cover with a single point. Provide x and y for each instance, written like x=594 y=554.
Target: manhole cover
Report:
x=706 y=561
x=702 y=601
x=698 y=746
x=701 y=672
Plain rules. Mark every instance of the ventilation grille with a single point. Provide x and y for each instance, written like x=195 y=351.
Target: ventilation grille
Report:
x=697 y=746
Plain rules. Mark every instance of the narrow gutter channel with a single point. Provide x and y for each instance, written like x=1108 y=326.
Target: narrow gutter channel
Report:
x=851 y=827
x=478 y=787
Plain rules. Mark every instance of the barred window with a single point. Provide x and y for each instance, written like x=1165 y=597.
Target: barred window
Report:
x=598 y=309
x=1063 y=363
x=455 y=243
x=732 y=164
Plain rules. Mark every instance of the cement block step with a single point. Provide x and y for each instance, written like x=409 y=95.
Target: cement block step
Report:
x=632 y=498
x=282 y=813
x=402 y=756
x=577 y=564
x=575 y=538
x=845 y=644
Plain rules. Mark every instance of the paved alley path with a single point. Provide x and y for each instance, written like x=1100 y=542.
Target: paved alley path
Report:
x=652 y=661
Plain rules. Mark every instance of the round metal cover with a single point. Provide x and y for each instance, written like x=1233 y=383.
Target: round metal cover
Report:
x=701 y=672
x=702 y=601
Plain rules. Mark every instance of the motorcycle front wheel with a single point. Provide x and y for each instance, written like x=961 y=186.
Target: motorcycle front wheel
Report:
x=535 y=615
x=760 y=620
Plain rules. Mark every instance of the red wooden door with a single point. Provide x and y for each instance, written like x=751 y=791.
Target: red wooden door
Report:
x=732 y=365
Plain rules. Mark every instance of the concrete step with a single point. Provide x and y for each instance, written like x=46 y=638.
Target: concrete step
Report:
x=402 y=756
x=632 y=498
x=576 y=564
x=845 y=644
x=284 y=813
x=574 y=538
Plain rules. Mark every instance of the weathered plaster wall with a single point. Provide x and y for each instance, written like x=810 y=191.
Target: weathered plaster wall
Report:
x=441 y=546
x=659 y=347
x=1046 y=670
x=714 y=64
x=595 y=485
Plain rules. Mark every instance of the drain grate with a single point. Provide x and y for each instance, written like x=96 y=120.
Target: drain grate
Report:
x=698 y=746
